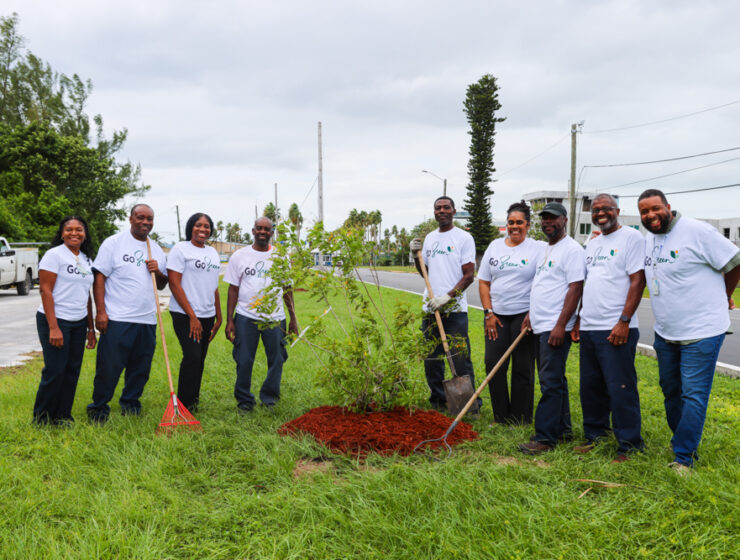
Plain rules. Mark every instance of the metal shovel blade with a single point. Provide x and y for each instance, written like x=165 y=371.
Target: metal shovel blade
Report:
x=459 y=391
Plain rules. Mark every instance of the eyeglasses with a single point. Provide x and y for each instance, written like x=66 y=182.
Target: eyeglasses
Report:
x=602 y=209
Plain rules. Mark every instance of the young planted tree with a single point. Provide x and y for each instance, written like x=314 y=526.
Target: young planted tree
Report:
x=369 y=355
x=480 y=106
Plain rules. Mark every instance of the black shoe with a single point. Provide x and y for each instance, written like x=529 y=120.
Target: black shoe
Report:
x=244 y=408
x=98 y=419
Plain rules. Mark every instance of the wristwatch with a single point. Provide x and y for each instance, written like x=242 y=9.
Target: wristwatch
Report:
x=487 y=311
x=625 y=318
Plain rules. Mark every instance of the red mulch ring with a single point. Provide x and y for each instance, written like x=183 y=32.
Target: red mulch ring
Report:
x=386 y=433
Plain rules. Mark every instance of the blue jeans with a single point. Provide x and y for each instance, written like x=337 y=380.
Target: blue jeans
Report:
x=122 y=345
x=454 y=324
x=246 y=339
x=61 y=371
x=686 y=376
x=552 y=417
x=609 y=385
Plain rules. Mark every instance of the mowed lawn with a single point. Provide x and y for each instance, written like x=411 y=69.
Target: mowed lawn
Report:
x=120 y=491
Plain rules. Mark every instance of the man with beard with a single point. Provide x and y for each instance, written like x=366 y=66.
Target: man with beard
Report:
x=248 y=276
x=125 y=314
x=449 y=255
x=556 y=290
x=691 y=271
x=608 y=333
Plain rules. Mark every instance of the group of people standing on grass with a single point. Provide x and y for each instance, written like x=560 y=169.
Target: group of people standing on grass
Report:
x=125 y=314
x=565 y=293
x=558 y=290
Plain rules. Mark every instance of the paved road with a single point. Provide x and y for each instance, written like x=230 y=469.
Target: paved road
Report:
x=730 y=353
x=18 y=336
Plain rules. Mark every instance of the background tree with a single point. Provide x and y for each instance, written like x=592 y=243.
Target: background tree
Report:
x=272 y=212
x=480 y=106
x=296 y=218
x=48 y=165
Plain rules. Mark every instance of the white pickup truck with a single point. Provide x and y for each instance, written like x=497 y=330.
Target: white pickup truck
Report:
x=18 y=267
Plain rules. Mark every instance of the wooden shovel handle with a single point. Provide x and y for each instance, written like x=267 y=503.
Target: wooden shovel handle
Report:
x=437 y=316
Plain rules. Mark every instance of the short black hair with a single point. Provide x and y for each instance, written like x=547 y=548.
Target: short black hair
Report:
x=86 y=247
x=191 y=224
x=135 y=206
x=445 y=197
x=653 y=192
x=606 y=195
x=522 y=207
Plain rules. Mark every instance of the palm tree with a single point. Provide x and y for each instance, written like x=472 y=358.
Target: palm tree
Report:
x=296 y=218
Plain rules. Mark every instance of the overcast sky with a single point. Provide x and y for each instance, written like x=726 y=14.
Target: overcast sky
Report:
x=222 y=99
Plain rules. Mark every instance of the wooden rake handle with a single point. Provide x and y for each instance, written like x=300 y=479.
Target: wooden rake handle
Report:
x=159 y=320
x=437 y=316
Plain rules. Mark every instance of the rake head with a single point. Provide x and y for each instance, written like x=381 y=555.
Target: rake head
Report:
x=176 y=417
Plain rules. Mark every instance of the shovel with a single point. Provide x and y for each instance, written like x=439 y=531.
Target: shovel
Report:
x=458 y=389
x=460 y=416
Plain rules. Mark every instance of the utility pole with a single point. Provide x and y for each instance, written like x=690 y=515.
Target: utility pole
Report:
x=255 y=213
x=574 y=129
x=321 y=180
x=177 y=210
x=444 y=187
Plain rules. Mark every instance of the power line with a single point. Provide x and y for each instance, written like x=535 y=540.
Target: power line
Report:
x=533 y=157
x=663 y=120
x=309 y=191
x=686 y=191
x=671 y=174
x=663 y=160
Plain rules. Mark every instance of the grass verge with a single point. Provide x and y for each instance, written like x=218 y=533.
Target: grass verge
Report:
x=119 y=491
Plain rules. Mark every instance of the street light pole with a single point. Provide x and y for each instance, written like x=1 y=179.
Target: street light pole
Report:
x=444 y=181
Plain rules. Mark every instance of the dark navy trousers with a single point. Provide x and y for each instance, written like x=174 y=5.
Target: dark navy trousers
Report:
x=56 y=392
x=609 y=387
x=455 y=325
x=128 y=346
x=246 y=339
x=552 y=417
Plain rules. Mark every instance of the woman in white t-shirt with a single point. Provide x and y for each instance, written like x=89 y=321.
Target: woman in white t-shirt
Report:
x=504 y=281
x=193 y=270
x=64 y=320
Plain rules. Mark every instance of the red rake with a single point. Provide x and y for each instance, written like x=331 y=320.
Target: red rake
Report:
x=175 y=416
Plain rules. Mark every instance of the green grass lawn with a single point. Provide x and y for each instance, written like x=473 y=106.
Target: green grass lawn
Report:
x=397 y=268
x=119 y=491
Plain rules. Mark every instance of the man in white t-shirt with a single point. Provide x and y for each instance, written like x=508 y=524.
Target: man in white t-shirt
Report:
x=248 y=276
x=449 y=255
x=125 y=314
x=691 y=271
x=556 y=290
x=608 y=333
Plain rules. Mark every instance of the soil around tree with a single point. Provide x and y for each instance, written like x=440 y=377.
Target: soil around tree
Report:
x=396 y=431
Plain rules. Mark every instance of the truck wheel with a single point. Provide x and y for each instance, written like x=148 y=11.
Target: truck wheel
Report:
x=24 y=288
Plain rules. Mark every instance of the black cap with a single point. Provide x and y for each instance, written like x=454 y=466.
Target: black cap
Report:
x=554 y=208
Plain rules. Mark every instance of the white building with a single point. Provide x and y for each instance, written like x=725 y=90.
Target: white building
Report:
x=729 y=227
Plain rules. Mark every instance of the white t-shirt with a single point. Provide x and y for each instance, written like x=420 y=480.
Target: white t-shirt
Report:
x=510 y=270
x=444 y=254
x=129 y=295
x=200 y=268
x=73 y=283
x=690 y=302
x=610 y=259
x=250 y=270
x=559 y=266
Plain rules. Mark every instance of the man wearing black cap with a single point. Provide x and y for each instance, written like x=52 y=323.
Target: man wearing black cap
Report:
x=556 y=290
